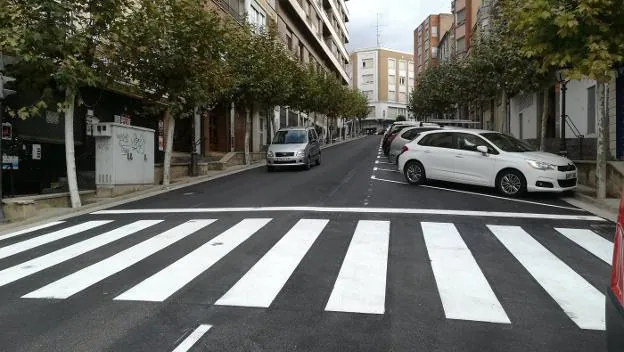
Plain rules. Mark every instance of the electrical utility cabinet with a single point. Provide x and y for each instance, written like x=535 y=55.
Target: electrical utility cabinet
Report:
x=124 y=158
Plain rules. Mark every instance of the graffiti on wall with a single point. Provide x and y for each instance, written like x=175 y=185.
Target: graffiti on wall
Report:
x=131 y=145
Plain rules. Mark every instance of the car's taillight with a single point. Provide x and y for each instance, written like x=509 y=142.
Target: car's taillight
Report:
x=617 y=269
x=404 y=149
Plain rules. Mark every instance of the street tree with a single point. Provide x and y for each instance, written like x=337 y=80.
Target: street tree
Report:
x=172 y=51
x=57 y=43
x=582 y=38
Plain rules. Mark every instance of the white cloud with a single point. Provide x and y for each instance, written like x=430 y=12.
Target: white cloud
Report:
x=398 y=18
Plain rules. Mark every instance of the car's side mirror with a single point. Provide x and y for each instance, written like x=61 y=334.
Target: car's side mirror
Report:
x=483 y=149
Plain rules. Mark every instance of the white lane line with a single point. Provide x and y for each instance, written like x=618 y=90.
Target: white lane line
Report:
x=582 y=302
x=166 y=282
x=373 y=177
x=49 y=237
x=82 y=279
x=262 y=283
x=30 y=267
x=388 y=170
x=192 y=339
x=382 y=162
x=503 y=198
x=361 y=283
x=30 y=229
x=464 y=290
x=591 y=241
x=357 y=210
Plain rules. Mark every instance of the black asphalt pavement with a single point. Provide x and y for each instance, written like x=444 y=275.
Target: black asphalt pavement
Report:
x=343 y=257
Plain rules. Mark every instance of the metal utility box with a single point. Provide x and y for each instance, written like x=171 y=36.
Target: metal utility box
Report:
x=124 y=157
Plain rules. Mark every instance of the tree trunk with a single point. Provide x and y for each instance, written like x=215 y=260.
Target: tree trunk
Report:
x=601 y=157
x=269 y=124
x=247 y=135
x=70 y=155
x=544 y=128
x=170 y=123
x=232 y=127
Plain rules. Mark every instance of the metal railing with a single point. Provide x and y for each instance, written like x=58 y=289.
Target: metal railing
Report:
x=233 y=11
x=576 y=133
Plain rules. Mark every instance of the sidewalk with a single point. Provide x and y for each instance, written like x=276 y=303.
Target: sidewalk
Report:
x=48 y=214
x=606 y=208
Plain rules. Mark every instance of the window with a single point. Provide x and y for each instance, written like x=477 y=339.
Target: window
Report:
x=311 y=136
x=434 y=52
x=368 y=79
x=369 y=94
x=290 y=137
x=392 y=94
x=434 y=31
x=257 y=18
x=367 y=63
x=402 y=65
x=391 y=80
x=438 y=140
x=507 y=143
x=470 y=142
x=391 y=64
x=591 y=110
x=402 y=80
x=461 y=45
x=411 y=82
x=402 y=97
x=460 y=17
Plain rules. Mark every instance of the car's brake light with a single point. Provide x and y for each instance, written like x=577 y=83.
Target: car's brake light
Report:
x=617 y=269
x=404 y=149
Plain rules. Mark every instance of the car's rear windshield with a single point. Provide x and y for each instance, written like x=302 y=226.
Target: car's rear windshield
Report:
x=508 y=143
x=290 y=137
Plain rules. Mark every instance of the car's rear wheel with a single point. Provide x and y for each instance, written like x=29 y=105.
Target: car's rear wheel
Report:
x=308 y=164
x=511 y=183
x=414 y=172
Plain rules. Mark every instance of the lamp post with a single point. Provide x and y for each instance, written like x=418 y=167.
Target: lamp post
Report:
x=563 y=82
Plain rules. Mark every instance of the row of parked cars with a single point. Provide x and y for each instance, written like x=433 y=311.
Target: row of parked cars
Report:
x=425 y=151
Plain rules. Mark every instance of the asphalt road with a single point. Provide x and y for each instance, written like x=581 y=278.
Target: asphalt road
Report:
x=343 y=257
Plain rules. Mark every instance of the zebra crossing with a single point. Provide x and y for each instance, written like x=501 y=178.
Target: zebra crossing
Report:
x=359 y=286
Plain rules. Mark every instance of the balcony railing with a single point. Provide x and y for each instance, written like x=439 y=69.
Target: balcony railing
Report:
x=233 y=7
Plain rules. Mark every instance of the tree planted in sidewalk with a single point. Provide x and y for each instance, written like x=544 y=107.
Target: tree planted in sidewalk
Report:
x=172 y=51
x=582 y=38
x=58 y=43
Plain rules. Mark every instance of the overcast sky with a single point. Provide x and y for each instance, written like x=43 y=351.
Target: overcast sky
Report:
x=398 y=17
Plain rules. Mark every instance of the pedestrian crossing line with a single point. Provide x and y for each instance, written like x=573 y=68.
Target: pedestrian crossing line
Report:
x=192 y=339
x=49 y=237
x=361 y=283
x=262 y=283
x=464 y=290
x=582 y=302
x=33 y=266
x=166 y=282
x=590 y=241
x=82 y=279
x=30 y=229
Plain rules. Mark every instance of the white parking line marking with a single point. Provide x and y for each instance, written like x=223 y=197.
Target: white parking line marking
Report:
x=464 y=290
x=192 y=339
x=361 y=283
x=84 y=278
x=382 y=162
x=168 y=281
x=262 y=283
x=390 y=181
x=581 y=301
x=38 y=264
x=49 y=237
x=357 y=210
x=30 y=229
x=380 y=169
x=590 y=241
x=503 y=198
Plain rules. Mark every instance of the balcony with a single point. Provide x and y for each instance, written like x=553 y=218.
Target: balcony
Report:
x=235 y=8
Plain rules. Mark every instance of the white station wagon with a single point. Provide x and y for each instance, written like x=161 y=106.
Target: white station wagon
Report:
x=485 y=158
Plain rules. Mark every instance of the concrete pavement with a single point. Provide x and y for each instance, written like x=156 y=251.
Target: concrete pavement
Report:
x=343 y=257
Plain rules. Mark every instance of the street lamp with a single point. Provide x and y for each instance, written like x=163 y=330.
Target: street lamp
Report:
x=563 y=82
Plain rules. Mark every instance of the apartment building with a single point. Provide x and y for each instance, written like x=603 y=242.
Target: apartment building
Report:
x=316 y=32
x=427 y=40
x=386 y=77
x=465 y=16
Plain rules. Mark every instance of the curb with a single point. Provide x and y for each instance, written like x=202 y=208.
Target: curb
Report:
x=150 y=192
x=593 y=206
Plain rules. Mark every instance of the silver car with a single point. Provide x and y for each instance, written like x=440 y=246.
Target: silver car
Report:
x=294 y=146
x=406 y=135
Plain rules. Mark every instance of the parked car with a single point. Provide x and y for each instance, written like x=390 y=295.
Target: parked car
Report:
x=294 y=146
x=395 y=128
x=615 y=294
x=485 y=158
x=406 y=135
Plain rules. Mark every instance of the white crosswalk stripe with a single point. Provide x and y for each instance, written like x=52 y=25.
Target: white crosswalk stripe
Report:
x=359 y=286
